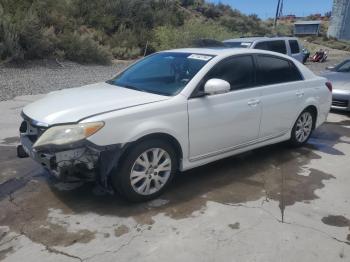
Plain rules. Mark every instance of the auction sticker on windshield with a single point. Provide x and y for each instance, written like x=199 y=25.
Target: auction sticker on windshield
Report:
x=200 y=57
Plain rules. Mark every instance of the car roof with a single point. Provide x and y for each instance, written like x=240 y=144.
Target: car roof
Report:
x=222 y=51
x=264 y=38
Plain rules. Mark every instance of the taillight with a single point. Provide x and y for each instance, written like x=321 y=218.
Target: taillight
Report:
x=329 y=86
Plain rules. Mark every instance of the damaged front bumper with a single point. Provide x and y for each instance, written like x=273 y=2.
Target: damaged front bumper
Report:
x=78 y=161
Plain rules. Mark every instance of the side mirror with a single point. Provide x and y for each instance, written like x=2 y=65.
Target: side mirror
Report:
x=216 y=86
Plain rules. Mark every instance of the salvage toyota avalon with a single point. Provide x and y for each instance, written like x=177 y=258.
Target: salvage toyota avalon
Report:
x=173 y=110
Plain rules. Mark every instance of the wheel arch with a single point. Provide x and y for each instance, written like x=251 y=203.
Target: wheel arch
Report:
x=314 y=111
x=310 y=107
x=162 y=136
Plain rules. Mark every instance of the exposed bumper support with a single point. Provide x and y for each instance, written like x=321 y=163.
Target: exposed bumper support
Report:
x=85 y=161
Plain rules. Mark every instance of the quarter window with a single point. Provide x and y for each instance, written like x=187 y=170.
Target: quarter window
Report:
x=294 y=46
x=274 y=70
x=278 y=46
x=238 y=71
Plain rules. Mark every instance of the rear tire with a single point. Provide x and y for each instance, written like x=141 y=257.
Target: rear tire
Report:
x=146 y=170
x=303 y=128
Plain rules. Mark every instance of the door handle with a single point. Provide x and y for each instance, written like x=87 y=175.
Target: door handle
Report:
x=253 y=102
x=299 y=93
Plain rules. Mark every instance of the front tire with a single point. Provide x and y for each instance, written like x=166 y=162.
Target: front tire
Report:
x=302 y=128
x=146 y=170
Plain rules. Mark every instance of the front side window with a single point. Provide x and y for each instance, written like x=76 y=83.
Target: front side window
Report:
x=162 y=73
x=274 y=70
x=294 y=46
x=238 y=71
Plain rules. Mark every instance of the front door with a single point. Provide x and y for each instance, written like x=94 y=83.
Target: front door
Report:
x=221 y=122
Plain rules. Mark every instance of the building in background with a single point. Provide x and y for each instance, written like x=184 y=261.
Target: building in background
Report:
x=307 y=28
x=340 y=21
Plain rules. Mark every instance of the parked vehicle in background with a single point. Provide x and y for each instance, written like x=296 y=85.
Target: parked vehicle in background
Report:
x=339 y=75
x=320 y=56
x=306 y=53
x=285 y=45
x=173 y=110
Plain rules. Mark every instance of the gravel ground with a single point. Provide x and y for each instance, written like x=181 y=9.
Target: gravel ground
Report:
x=42 y=76
x=334 y=57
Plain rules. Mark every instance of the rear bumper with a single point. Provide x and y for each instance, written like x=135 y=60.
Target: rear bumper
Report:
x=341 y=100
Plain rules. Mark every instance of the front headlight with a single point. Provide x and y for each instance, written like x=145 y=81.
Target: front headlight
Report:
x=66 y=134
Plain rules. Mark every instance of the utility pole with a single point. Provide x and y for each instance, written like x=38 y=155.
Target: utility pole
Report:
x=277 y=12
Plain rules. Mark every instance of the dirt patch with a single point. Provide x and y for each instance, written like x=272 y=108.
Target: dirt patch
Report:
x=57 y=235
x=337 y=221
x=12 y=167
x=121 y=230
x=234 y=226
x=11 y=140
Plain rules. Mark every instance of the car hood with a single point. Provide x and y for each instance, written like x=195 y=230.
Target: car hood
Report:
x=72 y=105
x=339 y=80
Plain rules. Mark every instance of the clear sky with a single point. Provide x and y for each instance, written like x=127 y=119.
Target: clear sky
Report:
x=267 y=8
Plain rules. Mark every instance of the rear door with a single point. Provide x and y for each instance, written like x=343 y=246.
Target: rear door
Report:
x=280 y=94
x=295 y=50
x=219 y=123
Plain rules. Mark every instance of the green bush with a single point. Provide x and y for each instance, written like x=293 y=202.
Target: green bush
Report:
x=126 y=53
x=23 y=38
x=84 y=49
x=9 y=45
x=168 y=37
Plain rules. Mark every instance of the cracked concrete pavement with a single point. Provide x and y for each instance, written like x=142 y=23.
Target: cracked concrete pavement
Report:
x=270 y=204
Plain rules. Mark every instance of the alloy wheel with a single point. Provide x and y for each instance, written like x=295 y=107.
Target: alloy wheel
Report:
x=150 y=171
x=303 y=127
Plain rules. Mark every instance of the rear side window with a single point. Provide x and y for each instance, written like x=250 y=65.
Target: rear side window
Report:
x=278 y=46
x=274 y=70
x=238 y=71
x=294 y=46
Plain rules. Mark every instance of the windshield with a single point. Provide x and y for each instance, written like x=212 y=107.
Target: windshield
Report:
x=343 y=67
x=238 y=44
x=162 y=73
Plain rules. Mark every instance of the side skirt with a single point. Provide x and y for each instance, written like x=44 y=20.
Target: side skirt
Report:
x=208 y=158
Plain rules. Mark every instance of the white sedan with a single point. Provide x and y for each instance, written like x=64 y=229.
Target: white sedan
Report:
x=173 y=110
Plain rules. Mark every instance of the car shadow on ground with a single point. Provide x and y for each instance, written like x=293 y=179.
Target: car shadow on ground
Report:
x=274 y=172
x=269 y=173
